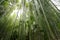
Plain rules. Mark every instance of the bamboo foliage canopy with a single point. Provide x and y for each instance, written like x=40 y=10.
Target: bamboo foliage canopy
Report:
x=29 y=20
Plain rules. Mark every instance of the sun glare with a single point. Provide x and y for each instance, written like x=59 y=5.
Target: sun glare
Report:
x=17 y=12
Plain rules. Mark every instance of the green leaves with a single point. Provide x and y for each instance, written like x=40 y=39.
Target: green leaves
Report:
x=40 y=20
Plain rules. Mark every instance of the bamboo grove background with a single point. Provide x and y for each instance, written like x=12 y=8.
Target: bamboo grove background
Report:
x=40 y=20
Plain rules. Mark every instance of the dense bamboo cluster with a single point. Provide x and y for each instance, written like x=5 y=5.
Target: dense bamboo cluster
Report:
x=38 y=20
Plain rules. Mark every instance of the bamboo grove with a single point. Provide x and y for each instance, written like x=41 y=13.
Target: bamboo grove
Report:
x=29 y=20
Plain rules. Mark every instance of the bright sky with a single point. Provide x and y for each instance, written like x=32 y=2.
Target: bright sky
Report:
x=57 y=3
